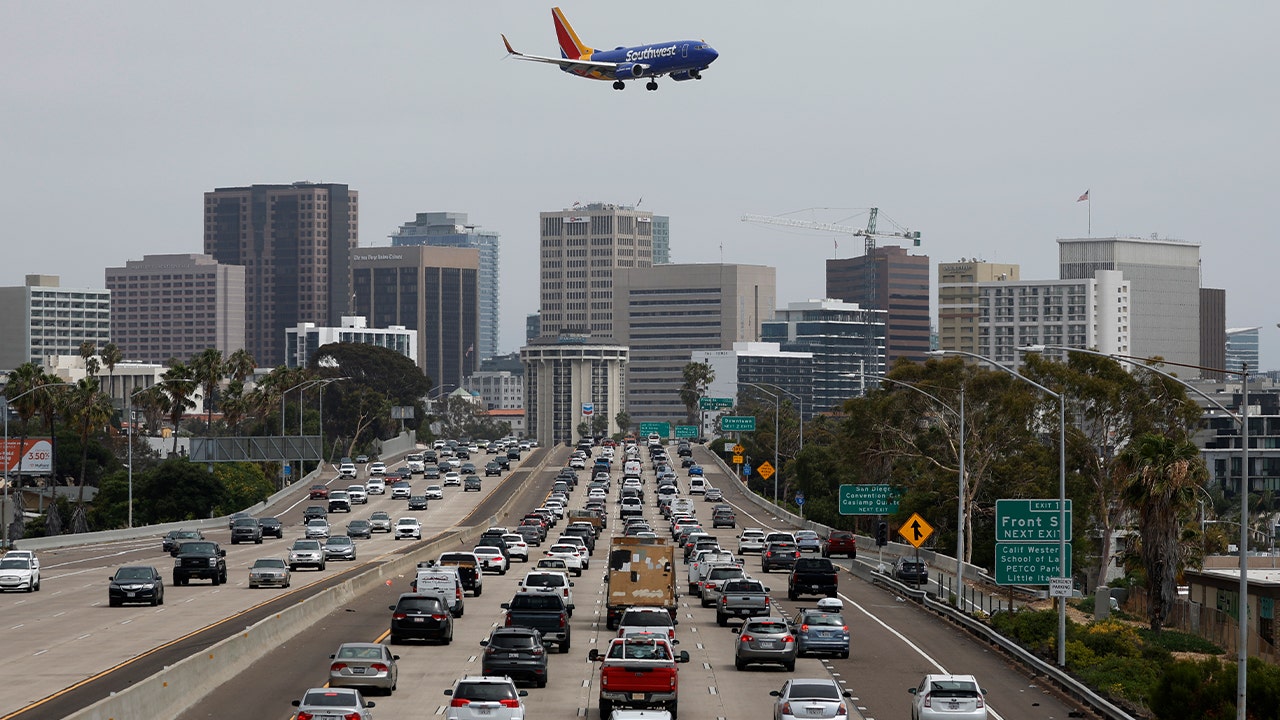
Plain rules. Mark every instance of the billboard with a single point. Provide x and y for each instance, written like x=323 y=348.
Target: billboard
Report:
x=36 y=456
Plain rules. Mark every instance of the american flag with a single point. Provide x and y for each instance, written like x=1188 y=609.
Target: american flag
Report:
x=1083 y=197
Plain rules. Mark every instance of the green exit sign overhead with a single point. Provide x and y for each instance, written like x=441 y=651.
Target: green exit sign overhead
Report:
x=738 y=423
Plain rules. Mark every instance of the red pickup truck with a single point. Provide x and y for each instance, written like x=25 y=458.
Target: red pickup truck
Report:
x=840 y=542
x=639 y=671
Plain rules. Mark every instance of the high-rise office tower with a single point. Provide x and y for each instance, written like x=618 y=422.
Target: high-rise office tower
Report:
x=1213 y=334
x=429 y=289
x=1242 y=350
x=846 y=342
x=581 y=248
x=893 y=281
x=174 y=306
x=958 y=312
x=294 y=242
x=42 y=319
x=661 y=239
x=666 y=312
x=451 y=229
x=1165 y=279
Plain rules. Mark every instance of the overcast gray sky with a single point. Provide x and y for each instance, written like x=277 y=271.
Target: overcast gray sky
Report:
x=976 y=123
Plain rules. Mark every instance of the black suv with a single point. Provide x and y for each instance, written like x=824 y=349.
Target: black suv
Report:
x=420 y=617
x=492 y=468
x=516 y=652
x=271 y=526
x=200 y=559
x=779 y=555
x=246 y=530
x=315 y=511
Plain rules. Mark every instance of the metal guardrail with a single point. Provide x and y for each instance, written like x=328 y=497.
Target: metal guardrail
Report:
x=1063 y=680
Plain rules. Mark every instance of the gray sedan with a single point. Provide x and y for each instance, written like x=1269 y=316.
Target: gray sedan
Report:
x=269 y=571
x=339 y=547
x=765 y=640
x=364 y=665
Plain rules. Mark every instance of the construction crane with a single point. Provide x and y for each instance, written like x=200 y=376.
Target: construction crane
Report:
x=869 y=234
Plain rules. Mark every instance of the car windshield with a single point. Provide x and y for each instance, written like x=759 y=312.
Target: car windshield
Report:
x=485 y=691
x=814 y=691
x=823 y=619
x=268 y=563
x=133 y=573
x=512 y=640
x=339 y=540
x=306 y=545
x=748 y=586
x=422 y=604
x=15 y=564
x=198 y=547
x=655 y=619
x=766 y=627
x=330 y=698
x=536 y=602
x=544 y=580
x=380 y=515
x=953 y=688
x=317 y=522
x=639 y=650
x=187 y=534
x=360 y=652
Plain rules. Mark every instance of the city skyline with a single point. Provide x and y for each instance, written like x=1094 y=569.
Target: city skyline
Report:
x=979 y=126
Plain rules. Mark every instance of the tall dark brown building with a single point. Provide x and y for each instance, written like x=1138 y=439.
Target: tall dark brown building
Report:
x=294 y=242
x=434 y=290
x=1213 y=332
x=897 y=283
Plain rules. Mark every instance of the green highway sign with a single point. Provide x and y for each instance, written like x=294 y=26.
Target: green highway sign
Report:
x=1025 y=520
x=738 y=423
x=868 y=500
x=686 y=431
x=1028 y=563
x=662 y=428
x=710 y=403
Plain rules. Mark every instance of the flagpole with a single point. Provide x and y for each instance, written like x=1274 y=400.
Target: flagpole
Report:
x=1089 y=202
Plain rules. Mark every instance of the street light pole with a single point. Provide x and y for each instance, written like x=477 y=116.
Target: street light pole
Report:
x=776 y=403
x=1242 y=639
x=129 y=417
x=1062 y=485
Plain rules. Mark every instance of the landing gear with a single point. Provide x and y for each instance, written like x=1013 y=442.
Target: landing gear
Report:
x=617 y=85
x=651 y=85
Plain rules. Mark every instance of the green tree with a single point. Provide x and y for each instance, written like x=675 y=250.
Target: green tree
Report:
x=244 y=485
x=25 y=379
x=88 y=351
x=111 y=356
x=697 y=378
x=623 y=419
x=239 y=365
x=584 y=430
x=1161 y=474
x=375 y=379
x=88 y=410
x=178 y=490
x=207 y=369
x=179 y=384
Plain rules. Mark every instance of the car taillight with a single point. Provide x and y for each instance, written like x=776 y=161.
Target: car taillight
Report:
x=797 y=553
x=928 y=700
x=510 y=702
x=724 y=599
x=379 y=667
x=979 y=699
x=337 y=666
x=842 y=710
x=538 y=652
x=844 y=628
x=786 y=708
x=399 y=616
x=508 y=621
x=804 y=628
x=304 y=715
x=767 y=599
x=747 y=638
x=459 y=702
x=438 y=616
x=457 y=593
x=788 y=638
x=769 y=554
x=563 y=621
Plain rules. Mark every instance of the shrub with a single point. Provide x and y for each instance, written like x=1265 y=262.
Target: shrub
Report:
x=1036 y=629
x=1111 y=638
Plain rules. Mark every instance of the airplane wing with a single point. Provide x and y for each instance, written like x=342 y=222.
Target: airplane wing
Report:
x=570 y=64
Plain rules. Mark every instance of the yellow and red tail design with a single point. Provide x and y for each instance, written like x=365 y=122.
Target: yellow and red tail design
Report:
x=570 y=45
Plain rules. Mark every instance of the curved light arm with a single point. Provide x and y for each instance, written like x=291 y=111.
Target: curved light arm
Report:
x=993 y=363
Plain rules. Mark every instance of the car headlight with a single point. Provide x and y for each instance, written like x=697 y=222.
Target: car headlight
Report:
x=213 y=562
x=177 y=563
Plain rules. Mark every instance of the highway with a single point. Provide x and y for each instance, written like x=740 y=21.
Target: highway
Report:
x=894 y=644
x=61 y=642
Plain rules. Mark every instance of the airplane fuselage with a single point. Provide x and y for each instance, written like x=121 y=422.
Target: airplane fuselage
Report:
x=680 y=59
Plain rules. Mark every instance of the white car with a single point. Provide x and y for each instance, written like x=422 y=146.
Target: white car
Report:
x=376 y=486
x=516 y=546
x=574 y=557
x=19 y=572
x=948 y=697
x=347 y=469
x=552 y=582
x=485 y=697
x=401 y=489
x=452 y=478
x=29 y=555
x=597 y=494
x=317 y=528
x=491 y=558
x=582 y=548
x=357 y=494
x=408 y=528
x=556 y=507
x=751 y=540
x=378 y=468
x=434 y=492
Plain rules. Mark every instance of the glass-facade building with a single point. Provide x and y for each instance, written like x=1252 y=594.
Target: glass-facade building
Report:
x=847 y=343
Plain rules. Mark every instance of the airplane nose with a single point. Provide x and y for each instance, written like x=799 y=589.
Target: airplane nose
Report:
x=712 y=54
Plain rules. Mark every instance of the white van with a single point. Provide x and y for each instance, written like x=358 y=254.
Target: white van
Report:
x=631 y=469
x=440 y=581
x=697 y=485
x=415 y=463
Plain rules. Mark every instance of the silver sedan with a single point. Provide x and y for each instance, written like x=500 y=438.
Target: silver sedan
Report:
x=364 y=665
x=334 y=702
x=269 y=571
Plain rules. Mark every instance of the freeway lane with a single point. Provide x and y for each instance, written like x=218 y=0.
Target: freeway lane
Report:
x=66 y=637
x=894 y=644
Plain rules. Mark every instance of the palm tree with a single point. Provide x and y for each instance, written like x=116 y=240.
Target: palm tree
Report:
x=88 y=409
x=207 y=369
x=697 y=377
x=88 y=349
x=240 y=365
x=111 y=356
x=24 y=379
x=179 y=385
x=1161 y=475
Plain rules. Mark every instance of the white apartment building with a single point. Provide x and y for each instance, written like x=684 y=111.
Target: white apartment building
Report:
x=1091 y=313
x=302 y=341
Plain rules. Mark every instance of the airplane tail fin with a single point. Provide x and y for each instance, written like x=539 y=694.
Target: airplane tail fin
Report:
x=570 y=45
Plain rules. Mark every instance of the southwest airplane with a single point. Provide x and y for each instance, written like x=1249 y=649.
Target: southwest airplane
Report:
x=681 y=59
